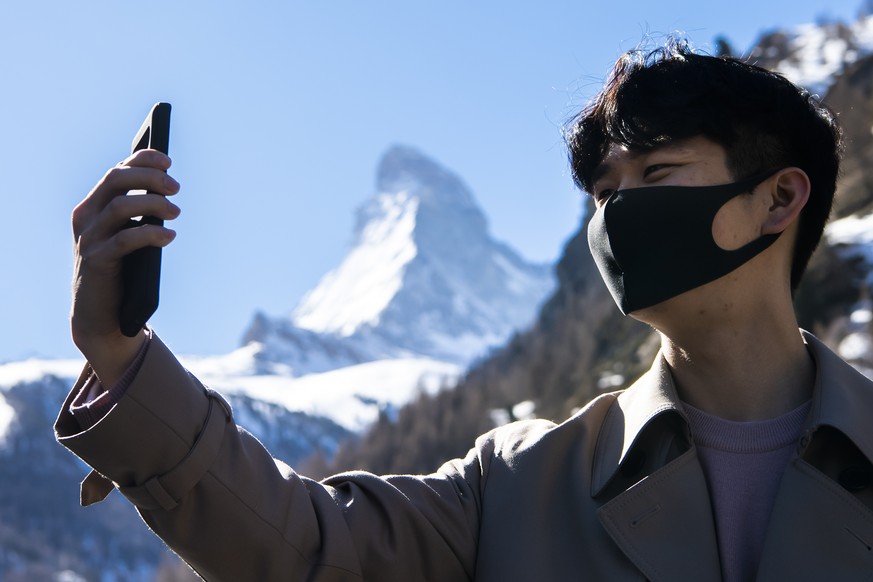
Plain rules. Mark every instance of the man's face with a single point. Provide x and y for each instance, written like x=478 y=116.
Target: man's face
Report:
x=737 y=222
x=696 y=161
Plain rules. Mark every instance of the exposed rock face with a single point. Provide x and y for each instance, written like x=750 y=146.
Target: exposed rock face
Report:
x=852 y=97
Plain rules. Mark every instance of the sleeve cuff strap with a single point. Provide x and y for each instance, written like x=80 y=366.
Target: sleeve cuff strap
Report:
x=166 y=491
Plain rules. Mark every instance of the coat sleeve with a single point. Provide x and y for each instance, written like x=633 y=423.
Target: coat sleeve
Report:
x=214 y=494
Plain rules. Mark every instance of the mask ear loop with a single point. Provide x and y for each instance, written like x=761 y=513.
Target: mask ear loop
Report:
x=760 y=244
x=752 y=181
x=747 y=185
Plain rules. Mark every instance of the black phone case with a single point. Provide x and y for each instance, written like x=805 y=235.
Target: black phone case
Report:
x=141 y=269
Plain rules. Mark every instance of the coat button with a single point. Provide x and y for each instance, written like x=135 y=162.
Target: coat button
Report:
x=804 y=442
x=856 y=478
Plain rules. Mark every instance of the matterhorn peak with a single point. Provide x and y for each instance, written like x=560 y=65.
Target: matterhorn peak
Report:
x=423 y=277
x=405 y=169
x=410 y=184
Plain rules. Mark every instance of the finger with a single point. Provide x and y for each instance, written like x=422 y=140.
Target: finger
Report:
x=148 y=158
x=121 y=209
x=125 y=242
x=116 y=182
x=121 y=179
x=118 y=212
x=131 y=239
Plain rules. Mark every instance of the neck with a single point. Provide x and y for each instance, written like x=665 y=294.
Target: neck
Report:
x=741 y=369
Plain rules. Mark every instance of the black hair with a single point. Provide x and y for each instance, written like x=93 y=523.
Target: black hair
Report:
x=761 y=119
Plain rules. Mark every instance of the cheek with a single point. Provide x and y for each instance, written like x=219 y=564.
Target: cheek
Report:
x=736 y=223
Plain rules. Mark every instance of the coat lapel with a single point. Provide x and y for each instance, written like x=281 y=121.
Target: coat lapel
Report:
x=818 y=531
x=663 y=521
x=843 y=397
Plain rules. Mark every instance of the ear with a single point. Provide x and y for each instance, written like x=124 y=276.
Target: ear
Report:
x=789 y=191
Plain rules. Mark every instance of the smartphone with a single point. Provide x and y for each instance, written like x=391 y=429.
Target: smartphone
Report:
x=141 y=269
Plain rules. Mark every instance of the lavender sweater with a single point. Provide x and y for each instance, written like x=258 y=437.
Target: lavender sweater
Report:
x=743 y=463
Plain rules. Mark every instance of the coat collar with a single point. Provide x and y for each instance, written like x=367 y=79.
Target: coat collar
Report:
x=635 y=408
x=842 y=398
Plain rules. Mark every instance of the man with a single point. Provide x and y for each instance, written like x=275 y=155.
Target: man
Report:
x=743 y=454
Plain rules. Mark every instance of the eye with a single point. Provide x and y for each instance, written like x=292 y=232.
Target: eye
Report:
x=654 y=168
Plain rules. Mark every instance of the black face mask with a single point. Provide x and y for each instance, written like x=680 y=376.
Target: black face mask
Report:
x=654 y=243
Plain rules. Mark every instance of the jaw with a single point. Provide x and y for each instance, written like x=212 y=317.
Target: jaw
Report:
x=730 y=307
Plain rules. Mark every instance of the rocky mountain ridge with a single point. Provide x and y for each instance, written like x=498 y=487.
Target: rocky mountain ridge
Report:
x=813 y=55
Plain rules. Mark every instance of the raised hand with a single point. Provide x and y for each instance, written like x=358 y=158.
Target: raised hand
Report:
x=101 y=241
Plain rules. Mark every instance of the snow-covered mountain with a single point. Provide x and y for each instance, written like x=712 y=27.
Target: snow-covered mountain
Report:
x=811 y=55
x=422 y=278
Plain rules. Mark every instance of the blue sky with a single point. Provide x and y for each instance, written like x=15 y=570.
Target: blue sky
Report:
x=281 y=111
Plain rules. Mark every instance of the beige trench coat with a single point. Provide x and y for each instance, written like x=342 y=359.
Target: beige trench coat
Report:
x=615 y=493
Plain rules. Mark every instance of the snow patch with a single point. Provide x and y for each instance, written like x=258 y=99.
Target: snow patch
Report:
x=371 y=274
x=26 y=372
x=352 y=396
x=855 y=234
x=33 y=370
x=7 y=414
x=861 y=316
x=610 y=381
x=818 y=57
x=856 y=346
x=851 y=230
x=818 y=52
x=240 y=362
x=525 y=410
